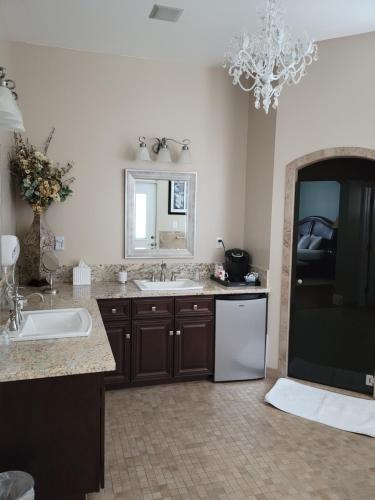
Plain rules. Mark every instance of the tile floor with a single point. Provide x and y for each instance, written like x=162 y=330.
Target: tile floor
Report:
x=220 y=441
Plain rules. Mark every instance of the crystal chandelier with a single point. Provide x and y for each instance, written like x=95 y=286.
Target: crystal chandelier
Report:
x=270 y=58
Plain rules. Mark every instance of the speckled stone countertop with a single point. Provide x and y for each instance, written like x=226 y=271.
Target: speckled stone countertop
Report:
x=57 y=357
x=52 y=358
x=112 y=290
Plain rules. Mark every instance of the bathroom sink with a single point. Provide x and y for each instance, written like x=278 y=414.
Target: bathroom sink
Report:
x=178 y=285
x=54 y=324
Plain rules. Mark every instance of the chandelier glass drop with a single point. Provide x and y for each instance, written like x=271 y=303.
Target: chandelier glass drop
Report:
x=270 y=58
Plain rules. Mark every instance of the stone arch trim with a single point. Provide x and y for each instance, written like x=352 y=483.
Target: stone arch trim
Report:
x=290 y=191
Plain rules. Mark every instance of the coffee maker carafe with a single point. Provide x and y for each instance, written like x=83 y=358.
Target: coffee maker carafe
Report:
x=237 y=263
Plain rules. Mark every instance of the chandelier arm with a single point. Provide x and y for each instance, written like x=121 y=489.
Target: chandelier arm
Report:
x=275 y=77
x=246 y=89
x=304 y=61
x=252 y=72
x=288 y=70
x=236 y=78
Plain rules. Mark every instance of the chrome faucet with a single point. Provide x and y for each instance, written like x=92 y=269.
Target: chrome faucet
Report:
x=17 y=302
x=173 y=276
x=163 y=267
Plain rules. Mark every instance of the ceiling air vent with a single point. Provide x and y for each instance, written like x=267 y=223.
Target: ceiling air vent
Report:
x=163 y=13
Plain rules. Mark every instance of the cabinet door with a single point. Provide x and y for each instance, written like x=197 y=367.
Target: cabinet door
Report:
x=194 y=346
x=152 y=349
x=119 y=339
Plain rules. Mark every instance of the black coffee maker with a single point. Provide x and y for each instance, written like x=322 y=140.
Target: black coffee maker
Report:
x=237 y=264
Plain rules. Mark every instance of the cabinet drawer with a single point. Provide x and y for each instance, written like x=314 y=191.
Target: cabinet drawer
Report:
x=114 y=309
x=152 y=308
x=192 y=306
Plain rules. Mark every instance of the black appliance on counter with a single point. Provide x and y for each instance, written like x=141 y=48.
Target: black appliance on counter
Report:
x=237 y=264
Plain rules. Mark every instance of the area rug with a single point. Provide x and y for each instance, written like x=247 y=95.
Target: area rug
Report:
x=336 y=410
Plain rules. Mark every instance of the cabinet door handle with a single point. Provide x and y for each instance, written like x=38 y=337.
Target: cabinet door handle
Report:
x=114 y=311
x=178 y=332
x=153 y=308
x=171 y=333
x=127 y=336
x=195 y=307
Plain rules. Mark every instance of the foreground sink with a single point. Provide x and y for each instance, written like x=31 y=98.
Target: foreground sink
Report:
x=55 y=324
x=178 y=285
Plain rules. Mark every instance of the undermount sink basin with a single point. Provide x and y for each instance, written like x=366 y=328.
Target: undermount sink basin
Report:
x=178 y=285
x=54 y=324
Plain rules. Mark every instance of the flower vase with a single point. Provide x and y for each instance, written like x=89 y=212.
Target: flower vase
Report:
x=38 y=238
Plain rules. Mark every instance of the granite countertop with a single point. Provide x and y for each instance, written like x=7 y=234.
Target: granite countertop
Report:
x=113 y=290
x=58 y=357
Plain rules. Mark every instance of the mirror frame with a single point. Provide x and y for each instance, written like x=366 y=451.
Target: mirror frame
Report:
x=131 y=176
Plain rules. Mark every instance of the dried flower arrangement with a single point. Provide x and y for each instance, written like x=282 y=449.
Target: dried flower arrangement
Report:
x=41 y=182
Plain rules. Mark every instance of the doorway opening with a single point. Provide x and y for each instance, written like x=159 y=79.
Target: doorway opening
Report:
x=332 y=306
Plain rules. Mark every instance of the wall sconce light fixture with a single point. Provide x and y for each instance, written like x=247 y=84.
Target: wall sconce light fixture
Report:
x=10 y=114
x=161 y=149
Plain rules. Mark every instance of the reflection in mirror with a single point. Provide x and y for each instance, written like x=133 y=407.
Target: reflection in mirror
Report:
x=161 y=219
x=50 y=264
x=160 y=214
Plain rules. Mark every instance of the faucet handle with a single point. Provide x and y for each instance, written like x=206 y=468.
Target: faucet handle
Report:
x=173 y=276
x=14 y=297
x=12 y=322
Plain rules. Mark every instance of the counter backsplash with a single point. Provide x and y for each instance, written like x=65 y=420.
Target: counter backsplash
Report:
x=143 y=270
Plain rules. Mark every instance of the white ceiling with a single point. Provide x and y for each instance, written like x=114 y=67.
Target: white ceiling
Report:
x=200 y=36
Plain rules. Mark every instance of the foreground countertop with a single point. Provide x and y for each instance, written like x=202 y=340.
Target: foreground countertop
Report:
x=58 y=357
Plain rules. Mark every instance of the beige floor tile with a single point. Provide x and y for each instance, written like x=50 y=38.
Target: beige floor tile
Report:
x=201 y=440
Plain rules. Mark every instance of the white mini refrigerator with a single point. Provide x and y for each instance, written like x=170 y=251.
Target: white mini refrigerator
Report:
x=240 y=338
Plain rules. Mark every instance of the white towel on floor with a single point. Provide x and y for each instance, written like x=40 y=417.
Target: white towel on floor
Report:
x=336 y=410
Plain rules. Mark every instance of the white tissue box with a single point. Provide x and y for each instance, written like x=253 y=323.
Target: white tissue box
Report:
x=81 y=275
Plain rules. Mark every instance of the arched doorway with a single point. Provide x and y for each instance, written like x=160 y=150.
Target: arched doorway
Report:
x=342 y=166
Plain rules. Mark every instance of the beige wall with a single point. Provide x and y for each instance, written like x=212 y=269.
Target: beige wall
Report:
x=259 y=178
x=99 y=105
x=332 y=106
x=7 y=204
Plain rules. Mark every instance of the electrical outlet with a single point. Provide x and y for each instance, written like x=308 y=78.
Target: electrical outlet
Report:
x=59 y=243
x=370 y=380
x=219 y=242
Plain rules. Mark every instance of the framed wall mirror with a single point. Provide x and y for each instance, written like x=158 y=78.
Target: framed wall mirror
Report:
x=160 y=214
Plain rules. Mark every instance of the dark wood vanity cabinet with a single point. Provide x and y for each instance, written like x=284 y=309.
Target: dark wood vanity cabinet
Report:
x=194 y=306
x=151 y=308
x=114 y=310
x=119 y=337
x=152 y=350
x=159 y=339
x=53 y=428
x=194 y=341
x=116 y=318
